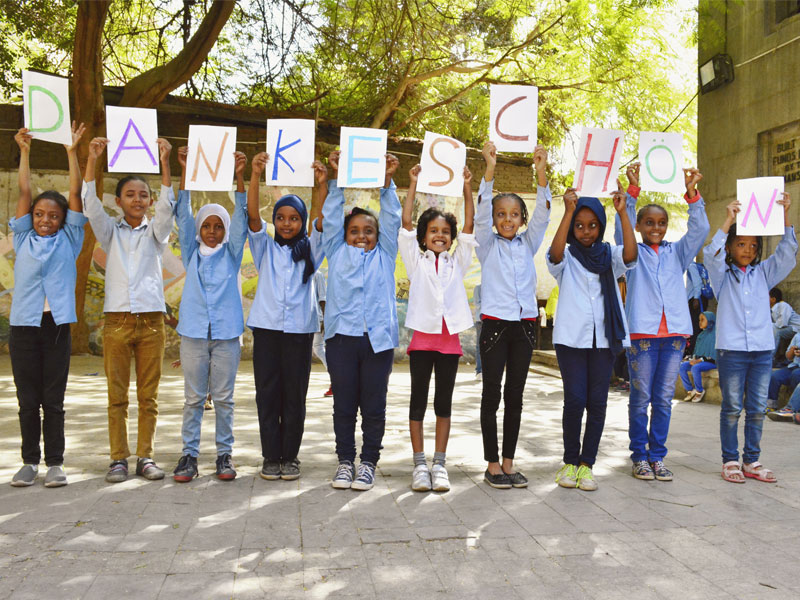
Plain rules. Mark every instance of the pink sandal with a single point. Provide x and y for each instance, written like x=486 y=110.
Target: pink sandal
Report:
x=731 y=472
x=758 y=471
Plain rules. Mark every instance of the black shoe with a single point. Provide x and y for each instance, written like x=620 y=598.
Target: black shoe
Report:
x=290 y=469
x=225 y=470
x=501 y=481
x=271 y=470
x=518 y=480
x=186 y=469
x=147 y=468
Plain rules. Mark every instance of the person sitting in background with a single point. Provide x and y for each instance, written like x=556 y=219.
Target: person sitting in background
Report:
x=781 y=329
x=788 y=375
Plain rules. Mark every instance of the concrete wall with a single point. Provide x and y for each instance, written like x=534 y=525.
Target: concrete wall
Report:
x=751 y=126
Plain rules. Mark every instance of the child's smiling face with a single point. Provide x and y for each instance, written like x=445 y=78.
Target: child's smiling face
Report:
x=288 y=222
x=48 y=217
x=438 y=237
x=743 y=250
x=212 y=231
x=507 y=216
x=586 y=228
x=362 y=232
x=653 y=225
x=134 y=199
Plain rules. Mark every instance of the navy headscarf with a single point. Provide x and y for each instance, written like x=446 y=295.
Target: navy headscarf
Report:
x=300 y=244
x=597 y=259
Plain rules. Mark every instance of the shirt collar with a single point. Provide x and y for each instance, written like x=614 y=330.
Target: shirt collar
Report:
x=124 y=223
x=443 y=256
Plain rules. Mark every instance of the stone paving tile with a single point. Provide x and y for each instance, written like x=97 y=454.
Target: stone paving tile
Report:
x=252 y=538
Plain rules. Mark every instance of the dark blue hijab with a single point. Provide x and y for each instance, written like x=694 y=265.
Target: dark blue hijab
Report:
x=300 y=244
x=597 y=259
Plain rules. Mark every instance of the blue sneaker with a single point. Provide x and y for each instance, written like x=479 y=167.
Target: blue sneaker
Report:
x=365 y=478
x=344 y=475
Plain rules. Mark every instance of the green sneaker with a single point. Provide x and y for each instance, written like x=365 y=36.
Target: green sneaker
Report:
x=585 y=479
x=567 y=477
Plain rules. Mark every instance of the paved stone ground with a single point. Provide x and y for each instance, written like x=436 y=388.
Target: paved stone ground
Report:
x=697 y=537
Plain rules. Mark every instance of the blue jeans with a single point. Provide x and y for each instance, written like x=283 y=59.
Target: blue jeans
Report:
x=697 y=374
x=653 y=365
x=360 y=378
x=794 y=400
x=209 y=367
x=780 y=377
x=744 y=381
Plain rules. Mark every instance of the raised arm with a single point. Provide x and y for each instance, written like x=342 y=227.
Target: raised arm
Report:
x=390 y=216
x=778 y=266
x=164 y=150
x=256 y=170
x=240 y=161
x=187 y=231
x=697 y=231
x=333 y=210
x=534 y=234
x=165 y=206
x=469 y=203
x=102 y=223
x=23 y=139
x=560 y=239
x=632 y=173
x=408 y=205
x=483 y=214
x=75 y=177
x=630 y=249
x=321 y=191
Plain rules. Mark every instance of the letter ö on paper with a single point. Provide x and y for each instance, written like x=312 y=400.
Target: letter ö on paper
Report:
x=210 y=163
x=443 y=159
x=760 y=213
x=599 y=156
x=513 y=117
x=661 y=155
x=362 y=160
x=290 y=145
x=46 y=107
x=132 y=139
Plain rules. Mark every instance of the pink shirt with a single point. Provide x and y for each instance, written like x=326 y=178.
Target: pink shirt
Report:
x=445 y=342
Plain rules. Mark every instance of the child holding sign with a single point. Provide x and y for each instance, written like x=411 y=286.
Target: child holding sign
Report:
x=284 y=319
x=438 y=310
x=48 y=234
x=508 y=308
x=360 y=321
x=134 y=304
x=745 y=344
x=588 y=340
x=658 y=320
x=210 y=318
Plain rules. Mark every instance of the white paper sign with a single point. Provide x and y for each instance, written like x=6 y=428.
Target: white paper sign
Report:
x=661 y=155
x=442 y=162
x=132 y=135
x=210 y=163
x=513 y=117
x=46 y=107
x=760 y=213
x=290 y=145
x=362 y=160
x=599 y=156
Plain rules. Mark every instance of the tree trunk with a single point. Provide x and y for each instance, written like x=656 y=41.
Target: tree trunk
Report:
x=87 y=80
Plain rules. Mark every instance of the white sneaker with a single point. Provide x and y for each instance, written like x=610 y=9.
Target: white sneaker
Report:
x=698 y=396
x=439 y=478
x=421 y=479
x=56 y=477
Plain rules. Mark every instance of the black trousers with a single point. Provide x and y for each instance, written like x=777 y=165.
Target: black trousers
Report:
x=40 y=364
x=505 y=345
x=422 y=363
x=282 y=367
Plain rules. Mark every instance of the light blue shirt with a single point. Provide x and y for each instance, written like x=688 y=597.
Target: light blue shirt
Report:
x=283 y=302
x=653 y=285
x=694 y=283
x=744 y=321
x=796 y=343
x=45 y=268
x=134 y=281
x=361 y=289
x=581 y=297
x=508 y=275
x=211 y=303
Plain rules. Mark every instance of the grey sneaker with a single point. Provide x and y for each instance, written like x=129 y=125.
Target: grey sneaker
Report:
x=365 y=478
x=117 y=471
x=270 y=470
x=147 y=468
x=290 y=469
x=56 y=477
x=25 y=476
x=345 y=473
x=225 y=469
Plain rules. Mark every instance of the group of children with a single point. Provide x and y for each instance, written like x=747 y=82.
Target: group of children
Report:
x=360 y=318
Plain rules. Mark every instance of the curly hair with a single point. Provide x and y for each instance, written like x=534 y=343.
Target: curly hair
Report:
x=361 y=211
x=428 y=216
x=732 y=238
x=55 y=197
x=523 y=209
x=646 y=207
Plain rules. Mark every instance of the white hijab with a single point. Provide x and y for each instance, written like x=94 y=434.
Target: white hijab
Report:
x=207 y=211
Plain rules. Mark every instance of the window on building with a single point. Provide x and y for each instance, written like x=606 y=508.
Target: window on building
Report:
x=785 y=9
